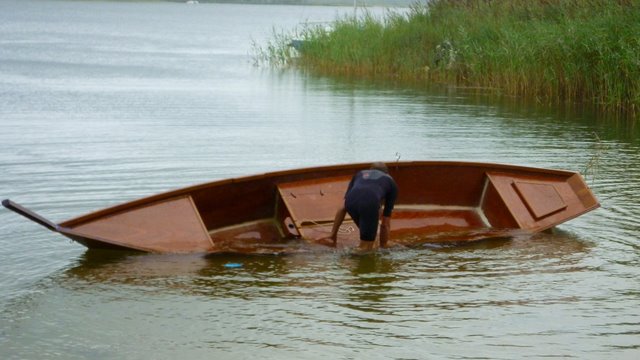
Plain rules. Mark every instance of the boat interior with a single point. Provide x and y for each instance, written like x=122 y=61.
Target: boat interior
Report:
x=265 y=213
x=306 y=209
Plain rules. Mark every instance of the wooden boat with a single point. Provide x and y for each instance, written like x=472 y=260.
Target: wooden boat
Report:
x=292 y=211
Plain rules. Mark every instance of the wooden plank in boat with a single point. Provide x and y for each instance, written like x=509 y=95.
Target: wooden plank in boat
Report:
x=538 y=202
x=172 y=225
x=541 y=199
x=314 y=201
x=430 y=219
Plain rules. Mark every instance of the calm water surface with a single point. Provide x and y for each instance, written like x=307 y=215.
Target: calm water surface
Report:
x=103 y=102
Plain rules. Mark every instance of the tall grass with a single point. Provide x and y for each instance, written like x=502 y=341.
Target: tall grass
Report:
x=553 y=50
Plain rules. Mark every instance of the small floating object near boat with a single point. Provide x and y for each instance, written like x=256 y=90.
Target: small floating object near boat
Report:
x=232 y=265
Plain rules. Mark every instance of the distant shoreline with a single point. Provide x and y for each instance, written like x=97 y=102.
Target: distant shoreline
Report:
x=350 y=3
x=358 y=3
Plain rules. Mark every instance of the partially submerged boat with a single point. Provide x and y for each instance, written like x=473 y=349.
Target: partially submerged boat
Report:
x=292 y=211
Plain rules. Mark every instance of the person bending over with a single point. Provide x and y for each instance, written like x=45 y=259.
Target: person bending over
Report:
x=363 y=199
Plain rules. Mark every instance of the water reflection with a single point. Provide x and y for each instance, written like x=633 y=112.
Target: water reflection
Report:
x=371 y=280
x=524 y=113
x=369 y=277
x=403 y=298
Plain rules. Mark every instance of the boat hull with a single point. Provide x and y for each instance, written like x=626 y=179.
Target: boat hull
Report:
x=292 y=211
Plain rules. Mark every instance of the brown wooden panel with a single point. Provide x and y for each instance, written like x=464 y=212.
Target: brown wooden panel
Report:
x=435 y=220
x=496 y=211
x=541 y=199
x=540 y=208
x=236 y=202
x=313 y=201
x=284 y=220
x=583 y=192
x=172 y=225
x=440 y=184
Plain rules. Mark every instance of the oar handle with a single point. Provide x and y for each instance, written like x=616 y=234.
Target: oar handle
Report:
x=29 y=214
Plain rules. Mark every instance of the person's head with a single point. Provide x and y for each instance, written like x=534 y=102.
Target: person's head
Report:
x=378 y=165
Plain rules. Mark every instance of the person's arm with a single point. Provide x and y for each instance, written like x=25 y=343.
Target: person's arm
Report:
x=337 y=221
x=385 y=228
x=390 y=200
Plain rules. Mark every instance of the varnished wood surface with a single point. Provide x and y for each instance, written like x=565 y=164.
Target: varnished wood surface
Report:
x=314 y=200
x=167 y=226
x=547 y=201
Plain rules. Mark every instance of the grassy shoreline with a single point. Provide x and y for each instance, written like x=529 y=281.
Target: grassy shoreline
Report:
x=556 y=51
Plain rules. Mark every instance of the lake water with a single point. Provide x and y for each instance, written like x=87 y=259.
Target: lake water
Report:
x=103 y=102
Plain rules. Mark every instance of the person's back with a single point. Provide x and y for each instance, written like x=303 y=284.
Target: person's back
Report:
x=372 y=186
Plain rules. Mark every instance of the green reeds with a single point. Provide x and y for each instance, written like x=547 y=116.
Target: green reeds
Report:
x=553 y=50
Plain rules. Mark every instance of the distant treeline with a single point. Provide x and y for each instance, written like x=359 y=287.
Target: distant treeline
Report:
x=553 y=50
x=359 y=3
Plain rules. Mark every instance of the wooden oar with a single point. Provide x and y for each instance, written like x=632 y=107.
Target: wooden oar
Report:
x=30 y=215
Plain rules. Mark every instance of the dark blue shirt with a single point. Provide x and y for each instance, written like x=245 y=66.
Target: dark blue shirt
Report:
x=371 y=187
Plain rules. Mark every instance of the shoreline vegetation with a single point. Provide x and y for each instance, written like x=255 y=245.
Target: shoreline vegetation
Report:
x=554 y=51
x=351 y=3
